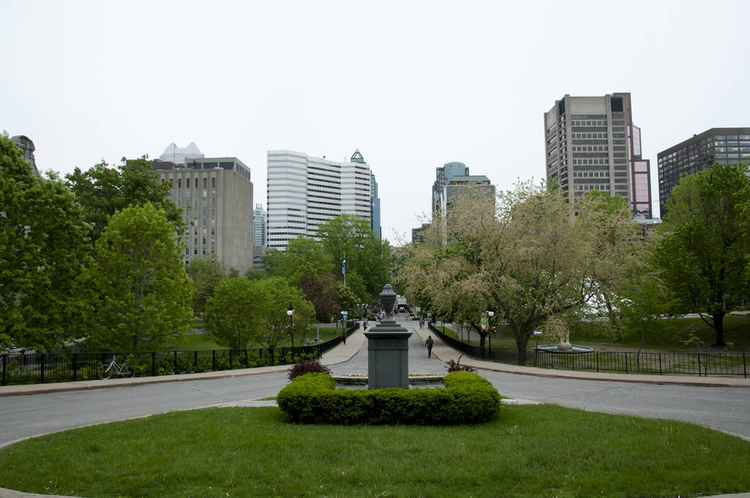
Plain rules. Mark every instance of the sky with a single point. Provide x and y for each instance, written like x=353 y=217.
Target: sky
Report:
x=411 y=84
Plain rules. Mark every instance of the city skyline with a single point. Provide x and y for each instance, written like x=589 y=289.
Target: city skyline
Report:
x=412 y=86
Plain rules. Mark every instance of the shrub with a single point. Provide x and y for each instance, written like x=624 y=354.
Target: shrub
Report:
x=303 y=367
x=455 y=366
x=313 y=398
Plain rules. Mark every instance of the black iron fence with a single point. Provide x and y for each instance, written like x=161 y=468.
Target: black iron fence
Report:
x=34 y=368
x=701 y=364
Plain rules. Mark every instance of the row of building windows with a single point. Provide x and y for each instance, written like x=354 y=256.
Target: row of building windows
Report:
x=195 y=182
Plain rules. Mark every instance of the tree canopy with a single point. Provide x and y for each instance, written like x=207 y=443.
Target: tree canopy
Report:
x=103 y=190
x=42 y=247
x=141 y=293
x=702 y=251
x=528 y=255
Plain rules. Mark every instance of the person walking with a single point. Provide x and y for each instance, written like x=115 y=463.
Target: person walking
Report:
x=429 y=345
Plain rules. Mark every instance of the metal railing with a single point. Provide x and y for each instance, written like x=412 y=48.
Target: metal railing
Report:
x=701 y=364
x=34 y=368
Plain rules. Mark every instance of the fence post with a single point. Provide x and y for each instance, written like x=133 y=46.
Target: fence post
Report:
x=213 y=360
x=626 y=363
x=153 y=363
x=195 y=360
x=699 y=364
x=230 y=358
x=75 y=366
x=5 y=368
x=744 y=368
x=660 y=364
x=175 y=362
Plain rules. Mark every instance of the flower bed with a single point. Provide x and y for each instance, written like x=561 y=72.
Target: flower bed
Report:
x=466 y=398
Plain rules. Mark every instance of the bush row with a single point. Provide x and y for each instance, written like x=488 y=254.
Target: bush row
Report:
x=313 y=399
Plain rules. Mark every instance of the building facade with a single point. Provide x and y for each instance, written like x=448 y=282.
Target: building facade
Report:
x=216 y=198
x=591 y=143
x=306 y=191
x=443 y=175
x=717 y=145
x=375 y=208
x=259 y=226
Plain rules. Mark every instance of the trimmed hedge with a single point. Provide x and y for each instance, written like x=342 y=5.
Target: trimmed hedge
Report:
x=466 y=399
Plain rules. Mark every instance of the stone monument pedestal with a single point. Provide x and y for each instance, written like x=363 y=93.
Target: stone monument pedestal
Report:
x=388 y=349
x=388 y=356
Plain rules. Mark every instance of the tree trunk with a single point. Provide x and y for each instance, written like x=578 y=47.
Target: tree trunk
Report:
x=718 y=319
x=521 y=354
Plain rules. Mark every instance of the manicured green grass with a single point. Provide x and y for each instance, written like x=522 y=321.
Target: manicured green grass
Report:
x=528 y=451
x=204 y=342
x=665 y=335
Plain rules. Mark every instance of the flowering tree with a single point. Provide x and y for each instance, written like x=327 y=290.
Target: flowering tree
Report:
x=529 y=255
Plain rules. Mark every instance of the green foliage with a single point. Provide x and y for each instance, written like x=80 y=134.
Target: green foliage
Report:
x=531 y=451
x=367 y=256
x=246 y=312
x=466 y=399
x=205 y=275
x=140 y=291
x=702 y=250
x=103 y=190
x=234 y=314
x=42 y=247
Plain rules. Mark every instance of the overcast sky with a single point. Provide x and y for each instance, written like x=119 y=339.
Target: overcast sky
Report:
x=412 y=85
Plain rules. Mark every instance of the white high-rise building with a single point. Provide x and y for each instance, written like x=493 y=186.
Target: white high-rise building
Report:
x=306 y=191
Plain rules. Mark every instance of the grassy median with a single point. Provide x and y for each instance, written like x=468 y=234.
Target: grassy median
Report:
x=541 y=450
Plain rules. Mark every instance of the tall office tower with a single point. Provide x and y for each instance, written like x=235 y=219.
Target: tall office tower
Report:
x=306 y=191
x=259 y=226
x=216 y=198
x=375 y=208
x=443 y=175
x=717 y=145
x=592 y=144
x=181 y=155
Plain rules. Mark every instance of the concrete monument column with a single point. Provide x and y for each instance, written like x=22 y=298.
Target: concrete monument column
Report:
x=388 y=348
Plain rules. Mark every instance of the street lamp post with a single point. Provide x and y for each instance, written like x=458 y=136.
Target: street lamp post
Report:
x=290 y=312
x=490 y=314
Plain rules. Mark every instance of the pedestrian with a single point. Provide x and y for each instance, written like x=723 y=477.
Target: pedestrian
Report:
x=429 y=345
x=343 y=334
x=365 y=326
x=421 y=322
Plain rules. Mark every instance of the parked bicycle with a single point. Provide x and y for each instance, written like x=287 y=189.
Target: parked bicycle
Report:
x=106 y=370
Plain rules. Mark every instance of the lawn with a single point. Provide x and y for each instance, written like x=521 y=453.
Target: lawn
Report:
x=541 y=450
x=204 y=342
x=667 y=335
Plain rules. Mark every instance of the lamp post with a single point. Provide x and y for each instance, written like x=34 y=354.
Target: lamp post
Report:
x=490 y=314
x=290 y=312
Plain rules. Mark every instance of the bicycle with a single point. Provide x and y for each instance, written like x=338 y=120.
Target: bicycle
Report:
x=105 y=370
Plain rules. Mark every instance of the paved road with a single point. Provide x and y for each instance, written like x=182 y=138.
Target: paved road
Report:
x=718 y=407
x=25 y=416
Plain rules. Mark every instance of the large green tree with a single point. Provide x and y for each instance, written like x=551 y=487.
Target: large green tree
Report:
x=702 y=253
x=141 y=293
x=368 y=257
x=234 y=313
x=205 y=275
x=42 y=246
x=103 y=190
